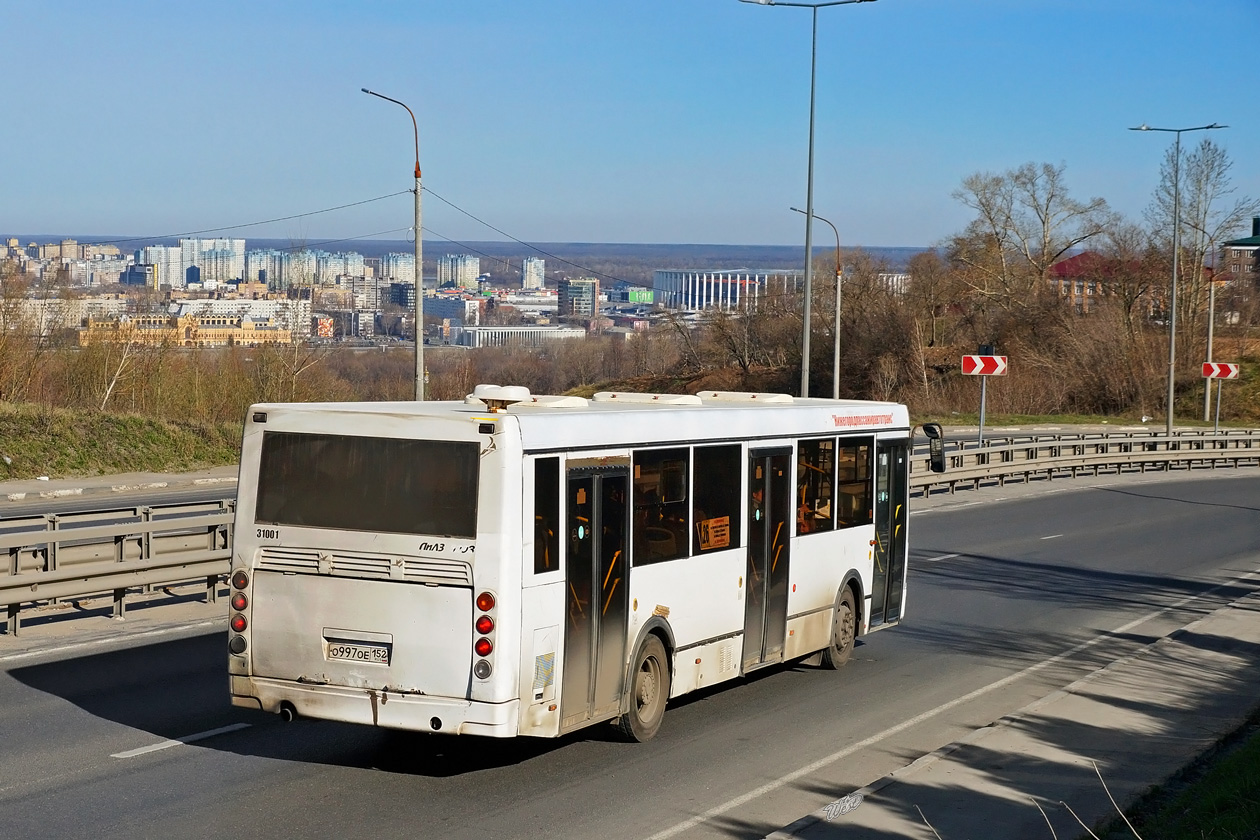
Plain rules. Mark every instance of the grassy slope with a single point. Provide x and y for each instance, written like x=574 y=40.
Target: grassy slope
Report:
x=60 y=443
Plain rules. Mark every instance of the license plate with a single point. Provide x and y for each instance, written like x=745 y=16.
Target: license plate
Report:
x=359 y=652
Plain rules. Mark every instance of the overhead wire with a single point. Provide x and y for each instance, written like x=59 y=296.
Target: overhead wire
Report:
x=257 y=224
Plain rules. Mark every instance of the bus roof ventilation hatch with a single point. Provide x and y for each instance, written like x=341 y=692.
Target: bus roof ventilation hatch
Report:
x=744 y=397
x=645 y=399
x=497 y=397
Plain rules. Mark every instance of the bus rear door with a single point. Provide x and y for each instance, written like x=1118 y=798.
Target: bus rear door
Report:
x=769 y=531
x=596 y=595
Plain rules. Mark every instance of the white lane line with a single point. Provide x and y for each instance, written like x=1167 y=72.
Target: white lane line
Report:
x=941 y=557
x=814 y=767
x=147 y=634
x=1052 y=537
x=187 y=739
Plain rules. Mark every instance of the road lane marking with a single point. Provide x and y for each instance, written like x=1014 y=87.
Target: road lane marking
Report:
x=941 y=557
x=187 y=739
x=1052 y=537
x=147 y=634
x=828 y=760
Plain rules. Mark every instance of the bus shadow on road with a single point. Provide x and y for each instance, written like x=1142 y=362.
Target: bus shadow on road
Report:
x=170 y=690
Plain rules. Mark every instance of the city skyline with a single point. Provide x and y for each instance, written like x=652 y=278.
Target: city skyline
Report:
x=669 y=122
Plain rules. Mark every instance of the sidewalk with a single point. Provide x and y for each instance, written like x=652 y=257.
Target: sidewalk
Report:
x=1141 y=718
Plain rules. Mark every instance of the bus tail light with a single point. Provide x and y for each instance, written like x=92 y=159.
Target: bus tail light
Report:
x=482 y=669
x=485 y=602
x=240 y=579
x=239 y=601
x=239 y=623
x=484 y=625
x=483 y=647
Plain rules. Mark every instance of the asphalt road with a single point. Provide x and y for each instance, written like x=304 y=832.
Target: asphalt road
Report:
x=996 y=588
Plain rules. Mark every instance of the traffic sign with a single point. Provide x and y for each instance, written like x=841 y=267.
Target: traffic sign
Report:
x=984 y=365
x=1219 y=370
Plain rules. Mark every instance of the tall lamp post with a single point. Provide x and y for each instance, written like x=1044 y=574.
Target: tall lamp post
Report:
x=1176 y=257
x=419 y=272
x=835 y=362
x=809 y=187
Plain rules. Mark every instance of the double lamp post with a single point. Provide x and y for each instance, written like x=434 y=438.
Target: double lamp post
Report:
x=1176 y=259
x=419 y=273
x=809 y=200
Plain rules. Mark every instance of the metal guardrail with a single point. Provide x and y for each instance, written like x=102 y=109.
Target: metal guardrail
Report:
x=1067 y=456
x=77 y=555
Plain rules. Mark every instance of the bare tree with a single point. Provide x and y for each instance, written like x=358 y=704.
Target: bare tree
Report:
x=1209 y=215
x=1025 y=223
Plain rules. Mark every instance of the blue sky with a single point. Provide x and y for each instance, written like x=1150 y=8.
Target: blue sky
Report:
x=600 y=120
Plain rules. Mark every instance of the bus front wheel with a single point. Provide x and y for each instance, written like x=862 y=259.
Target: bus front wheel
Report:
x=649 y=690
x=843 y=630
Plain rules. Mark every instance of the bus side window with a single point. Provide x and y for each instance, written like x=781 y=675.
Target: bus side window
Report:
x=815 y=478
x=546 y=515
x=717 y=485
x=853 y=484
x=660 y=505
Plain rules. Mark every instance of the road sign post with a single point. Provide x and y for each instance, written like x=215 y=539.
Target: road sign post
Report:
x=983 y=366
x=1219 y=371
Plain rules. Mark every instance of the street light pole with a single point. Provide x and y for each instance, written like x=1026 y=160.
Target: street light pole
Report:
x=419 y=270
x=806 y=312
x=835 y=362
x=1176 y=258
x=1207 y=390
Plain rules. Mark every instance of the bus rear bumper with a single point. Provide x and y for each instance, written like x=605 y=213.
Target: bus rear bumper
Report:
x=372 y=707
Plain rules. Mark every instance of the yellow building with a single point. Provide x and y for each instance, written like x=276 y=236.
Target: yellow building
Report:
x=187 y=331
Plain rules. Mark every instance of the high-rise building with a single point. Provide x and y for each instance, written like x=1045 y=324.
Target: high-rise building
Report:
x=265 y=266
x=166 y=260
x=578 y=298
x=217 y=259
x=533 y=271
x=400 y=268
x=460 y=269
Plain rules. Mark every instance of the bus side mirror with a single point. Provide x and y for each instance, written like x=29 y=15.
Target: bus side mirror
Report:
x=936 y=446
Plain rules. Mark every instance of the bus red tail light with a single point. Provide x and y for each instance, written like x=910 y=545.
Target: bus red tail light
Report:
x=239 y=601
x=239 y=623
x=483 y=647
x=485 y=602
x=240 y=579
x=484 y=625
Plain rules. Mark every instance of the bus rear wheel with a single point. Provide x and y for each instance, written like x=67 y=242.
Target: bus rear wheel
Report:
x=843 y=631
x=649 y=690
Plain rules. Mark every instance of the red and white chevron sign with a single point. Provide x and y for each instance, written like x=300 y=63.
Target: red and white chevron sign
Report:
x=1219 y=370
x=984 y=365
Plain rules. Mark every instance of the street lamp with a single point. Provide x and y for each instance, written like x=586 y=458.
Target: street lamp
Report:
x=835 y=362
x=419 y=271
x=1172 y=322
x=809 y=187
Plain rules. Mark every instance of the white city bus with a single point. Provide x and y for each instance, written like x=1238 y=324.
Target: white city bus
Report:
x=530 y=565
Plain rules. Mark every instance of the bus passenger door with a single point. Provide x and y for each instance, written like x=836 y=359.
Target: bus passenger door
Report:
x=889 y=575
x=596 y=602
x=769 y=532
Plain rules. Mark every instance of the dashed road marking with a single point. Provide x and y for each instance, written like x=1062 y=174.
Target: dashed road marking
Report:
x=187 y=739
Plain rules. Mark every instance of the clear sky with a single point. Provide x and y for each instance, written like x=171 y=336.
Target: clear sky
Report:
x=674 y=121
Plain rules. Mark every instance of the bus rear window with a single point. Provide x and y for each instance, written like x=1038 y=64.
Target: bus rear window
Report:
x=381 y=485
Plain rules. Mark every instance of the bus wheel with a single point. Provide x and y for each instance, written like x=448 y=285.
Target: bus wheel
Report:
x=842 y=633
x=649 y=689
